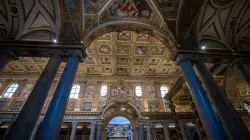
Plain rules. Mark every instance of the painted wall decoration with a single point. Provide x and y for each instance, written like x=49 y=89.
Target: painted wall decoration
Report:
x=117 y=91
x=153 y=106
x=27 y=90
x=90 y=91
x=2 y=104
x=243 y=88
x=17 y=105
x=87 y=106
x=130 y=8
x=71 y=105
x=151 y=91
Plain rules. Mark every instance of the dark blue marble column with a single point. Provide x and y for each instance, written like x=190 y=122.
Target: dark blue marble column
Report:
x=244 y=71
x=210 y=121
x=4 y=59
x=229 y=118
x=51 y=124
x=30 y=112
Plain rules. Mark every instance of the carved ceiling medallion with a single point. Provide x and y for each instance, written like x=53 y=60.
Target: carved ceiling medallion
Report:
x=105 y=49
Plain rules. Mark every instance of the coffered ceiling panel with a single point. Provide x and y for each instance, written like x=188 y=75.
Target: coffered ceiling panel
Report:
x=125 y=53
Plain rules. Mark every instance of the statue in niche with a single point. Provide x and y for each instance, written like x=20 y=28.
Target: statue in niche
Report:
x=26 y=90
x=151 y=91
x=121 y=91
x=90 y=91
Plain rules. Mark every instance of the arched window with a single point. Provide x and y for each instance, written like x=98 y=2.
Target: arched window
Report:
x=138 y=91
x=75 y=90
x=164 y=91
x=10 y=90
x=104 y=90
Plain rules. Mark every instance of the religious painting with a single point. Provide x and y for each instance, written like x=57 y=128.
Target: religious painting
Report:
x=153 y=106
x=130 y=8
x=27 y=90
x=151 y=91
x=90 y=91
x=2 y=104
x=17 y=105
x=71 y=105
x=87 y=106
x=117 y=91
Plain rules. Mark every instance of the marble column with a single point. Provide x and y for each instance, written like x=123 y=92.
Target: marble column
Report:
x=73 y=131
x=198 y=131
x=35 y=130
x=166 y=131
x=92 y=131
x=30 y=112
x=149 y=136
x=4 y=60
x=99 y=131
x=51 y=125
x=183 y=132
x=225 y=111
x=210 y=121
x=244 y=71
x=141 y=131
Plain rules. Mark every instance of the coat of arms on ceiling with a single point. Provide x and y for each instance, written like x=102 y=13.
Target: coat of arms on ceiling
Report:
x=130 y=8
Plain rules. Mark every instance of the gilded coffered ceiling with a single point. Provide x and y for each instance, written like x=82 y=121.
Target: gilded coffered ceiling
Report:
x=125 y=53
